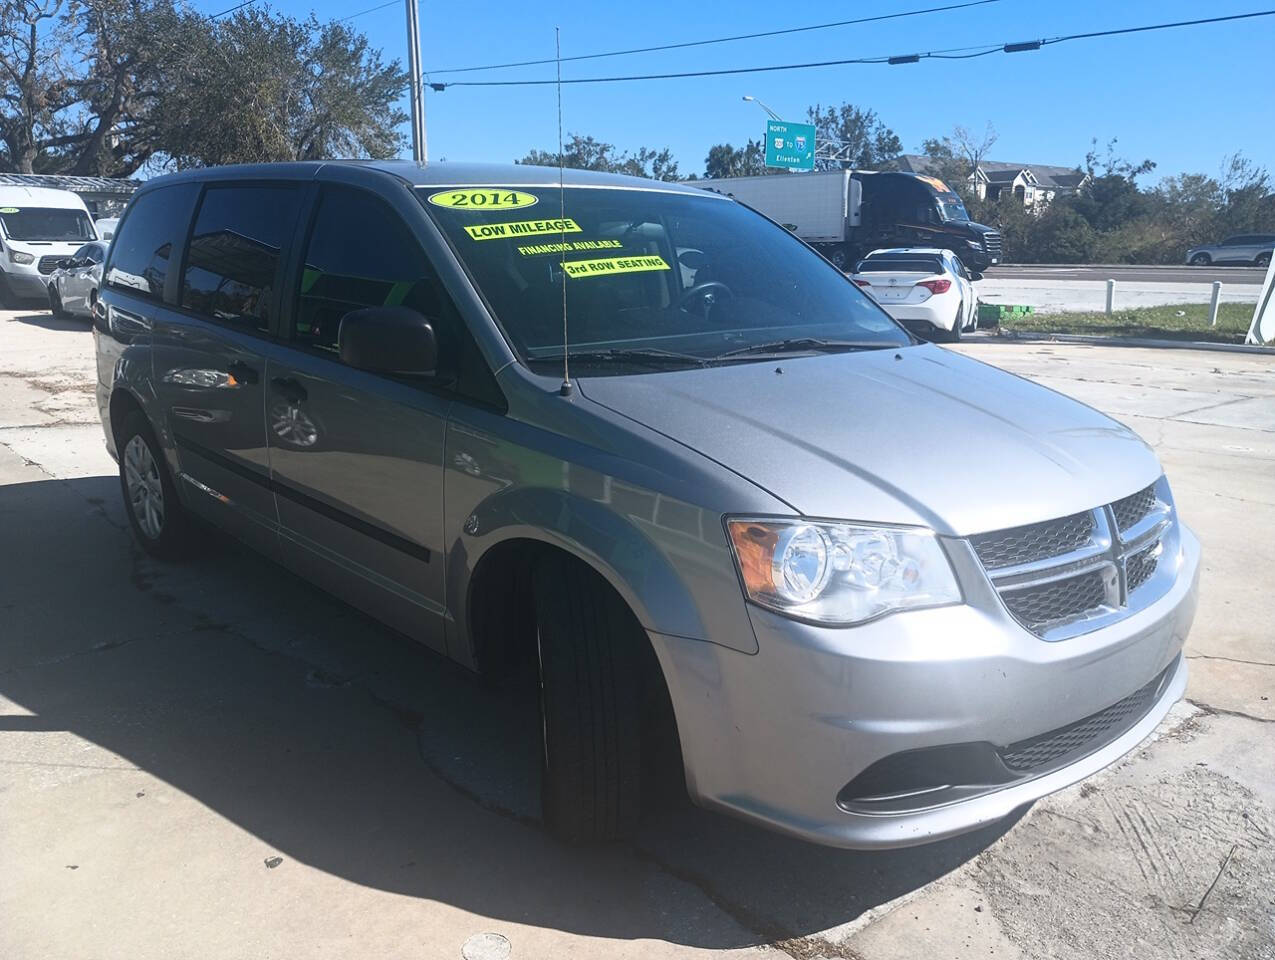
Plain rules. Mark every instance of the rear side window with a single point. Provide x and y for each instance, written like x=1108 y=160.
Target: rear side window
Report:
x=152 y=229
x=232 y=265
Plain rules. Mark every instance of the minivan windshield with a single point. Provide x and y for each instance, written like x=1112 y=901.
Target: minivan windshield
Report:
x=652 y=276
x=46 y=223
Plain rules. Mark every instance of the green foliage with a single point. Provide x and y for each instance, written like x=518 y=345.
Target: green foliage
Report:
x=863 y=141
x=723 y=160
x=586 y=153
x=107 y=87
x=1185 y=321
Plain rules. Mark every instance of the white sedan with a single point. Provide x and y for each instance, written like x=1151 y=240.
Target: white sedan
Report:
x=926 y=289
x=74 y=284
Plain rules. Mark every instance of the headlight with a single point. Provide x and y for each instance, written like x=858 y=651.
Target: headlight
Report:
x=976 y=244
x=840 y=573
x=19 y=257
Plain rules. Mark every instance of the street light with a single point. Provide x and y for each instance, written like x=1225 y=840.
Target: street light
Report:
x=770 y=112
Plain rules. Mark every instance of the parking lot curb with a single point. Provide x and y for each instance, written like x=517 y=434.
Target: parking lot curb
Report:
x=1011 y=336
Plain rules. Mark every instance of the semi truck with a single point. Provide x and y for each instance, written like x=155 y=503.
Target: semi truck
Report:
x=847 y=213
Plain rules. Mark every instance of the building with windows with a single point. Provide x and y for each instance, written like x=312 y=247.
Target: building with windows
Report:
x=1034 y=184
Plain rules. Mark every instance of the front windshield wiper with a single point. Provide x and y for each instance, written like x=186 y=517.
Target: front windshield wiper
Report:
x=651 y=355
x=805 y=345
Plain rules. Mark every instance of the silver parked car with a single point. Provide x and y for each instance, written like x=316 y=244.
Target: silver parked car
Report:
x=646 y=447
x=73 y=286
x=1254 y=249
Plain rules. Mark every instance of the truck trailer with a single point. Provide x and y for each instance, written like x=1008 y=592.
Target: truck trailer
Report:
x=847 y=213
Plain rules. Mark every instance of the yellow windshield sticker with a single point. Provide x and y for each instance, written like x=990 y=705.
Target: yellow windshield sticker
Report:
x=8 y=209
x=521 y=228
x=568 y=246
x=473 y=198
x=610 y=265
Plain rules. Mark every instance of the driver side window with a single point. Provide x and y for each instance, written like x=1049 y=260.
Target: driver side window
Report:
x=361 y=254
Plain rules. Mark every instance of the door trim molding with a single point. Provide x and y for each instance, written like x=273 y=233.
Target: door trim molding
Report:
x=299 y=497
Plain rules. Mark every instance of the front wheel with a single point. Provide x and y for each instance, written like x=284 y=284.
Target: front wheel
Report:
x=158 y=519
x=1262 y=260
x=55 y=302
x=1201 y=260
x=591 y=714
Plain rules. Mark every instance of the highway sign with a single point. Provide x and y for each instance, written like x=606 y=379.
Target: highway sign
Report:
x=790 y=145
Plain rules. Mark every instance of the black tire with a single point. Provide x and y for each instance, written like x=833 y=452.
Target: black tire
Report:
x=173 y=538
x=55 y=302
x=1262 y=260
x=590 y=707
x=1201 y=260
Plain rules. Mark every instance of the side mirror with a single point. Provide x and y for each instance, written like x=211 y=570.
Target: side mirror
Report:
x=64 y=263
x=973 y=275
x=387 y=340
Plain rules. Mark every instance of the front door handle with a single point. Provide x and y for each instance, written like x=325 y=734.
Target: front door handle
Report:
x=242 y=372
x=291 y=390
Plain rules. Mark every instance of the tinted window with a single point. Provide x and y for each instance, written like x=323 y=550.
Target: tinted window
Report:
x=647 y=269
x=901 y=265
x=46 y=223
x=232 y=265
x=91 y=252
x=361 y=254
x=152 y=228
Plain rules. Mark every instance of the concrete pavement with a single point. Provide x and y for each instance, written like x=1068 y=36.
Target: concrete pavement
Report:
x=216 y=760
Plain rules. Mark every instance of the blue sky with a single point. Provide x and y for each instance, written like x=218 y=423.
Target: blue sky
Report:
x=1184 y=98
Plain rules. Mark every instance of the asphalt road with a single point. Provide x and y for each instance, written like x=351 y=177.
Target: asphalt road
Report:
x=1166 y=274
x=215 y=759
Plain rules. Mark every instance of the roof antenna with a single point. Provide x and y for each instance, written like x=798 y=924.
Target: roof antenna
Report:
x=565 y=389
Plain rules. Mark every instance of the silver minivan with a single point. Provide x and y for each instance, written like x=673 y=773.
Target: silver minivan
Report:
x=642 y=445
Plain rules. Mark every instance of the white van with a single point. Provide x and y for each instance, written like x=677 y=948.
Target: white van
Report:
x=38 y=227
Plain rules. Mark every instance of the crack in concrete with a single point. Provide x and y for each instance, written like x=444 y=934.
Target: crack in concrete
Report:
x=1209 y=656
x=1223 y=712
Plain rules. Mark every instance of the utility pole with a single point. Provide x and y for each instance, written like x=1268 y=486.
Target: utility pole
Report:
x=420 y=150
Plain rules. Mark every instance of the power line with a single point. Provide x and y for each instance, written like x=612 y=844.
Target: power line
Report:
x=380 y=6
x=701 y=43
x=248 y=3
x=238 y=6
x=957 y=53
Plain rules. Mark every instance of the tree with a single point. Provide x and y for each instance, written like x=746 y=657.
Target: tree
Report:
x=957 y=155
x=586 y=153
x=107 y=86
x=862 y=141
x=724 y=160
x=281 y=89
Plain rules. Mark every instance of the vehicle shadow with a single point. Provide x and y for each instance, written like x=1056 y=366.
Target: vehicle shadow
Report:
x=47 y=321
x=346 y=747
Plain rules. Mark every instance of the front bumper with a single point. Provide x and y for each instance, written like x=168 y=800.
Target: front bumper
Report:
x=32 y=285
x=774 y=737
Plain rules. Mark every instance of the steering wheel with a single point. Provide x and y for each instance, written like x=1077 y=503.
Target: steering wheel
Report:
x=707 y=292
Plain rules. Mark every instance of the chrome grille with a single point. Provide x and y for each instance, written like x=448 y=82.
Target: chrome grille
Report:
x=1039 y=607
x=992 y=244
x=1140 y=566
x=1037 y=541
x=1134 y=507
x=1062 y=577
x=1084 y=736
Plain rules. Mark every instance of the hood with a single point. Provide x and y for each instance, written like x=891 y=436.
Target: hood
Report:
x=915 y=436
